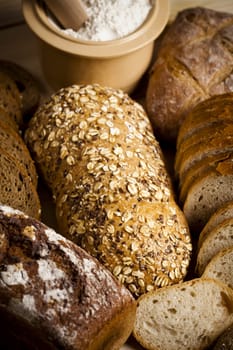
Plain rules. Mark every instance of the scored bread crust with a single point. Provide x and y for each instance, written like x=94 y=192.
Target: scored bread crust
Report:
x=186 y=316
x=59 y=290
x=112 y=191
x=178 y=80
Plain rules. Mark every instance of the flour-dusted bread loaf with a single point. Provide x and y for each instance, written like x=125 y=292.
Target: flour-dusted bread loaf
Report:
x=27 y=85
x=16 y=187
x=194 y=62
x=60 y=292
x=222 y=213
x=208 y=193
x=220 y=267
x=220 y=237
x=187 y=316
x=95 y=148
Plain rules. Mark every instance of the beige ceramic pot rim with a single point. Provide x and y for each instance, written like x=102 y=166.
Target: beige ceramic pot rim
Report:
x=37 y=19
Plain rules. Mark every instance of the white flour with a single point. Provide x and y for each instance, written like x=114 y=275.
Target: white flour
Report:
x=111 y=19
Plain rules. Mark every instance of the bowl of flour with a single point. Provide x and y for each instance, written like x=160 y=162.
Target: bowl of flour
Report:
x=114 y=47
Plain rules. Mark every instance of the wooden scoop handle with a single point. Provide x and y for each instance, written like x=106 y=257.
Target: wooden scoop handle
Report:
x=70 y=13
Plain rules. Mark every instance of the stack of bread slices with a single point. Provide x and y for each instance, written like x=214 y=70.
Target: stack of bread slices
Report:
x=18 y=186
x=204 y=159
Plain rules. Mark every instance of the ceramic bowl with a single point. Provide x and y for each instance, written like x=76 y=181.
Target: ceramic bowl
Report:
x=118 y=63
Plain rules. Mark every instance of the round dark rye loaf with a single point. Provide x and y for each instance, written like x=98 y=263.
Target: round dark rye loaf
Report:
x=61 y=292
x=96 y=149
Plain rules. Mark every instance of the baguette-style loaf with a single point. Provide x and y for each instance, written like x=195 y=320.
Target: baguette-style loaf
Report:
x=194 y=62
x=95 y=148
x=186 y=316
x=56 y=292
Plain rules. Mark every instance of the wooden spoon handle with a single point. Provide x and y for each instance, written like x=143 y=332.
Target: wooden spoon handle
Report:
x=70 y=13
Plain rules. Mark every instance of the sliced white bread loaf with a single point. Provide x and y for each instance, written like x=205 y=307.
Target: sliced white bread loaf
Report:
x=186 y=316
x=220 y=267
x=220 y=237
x=207 y=194
x=221 y=214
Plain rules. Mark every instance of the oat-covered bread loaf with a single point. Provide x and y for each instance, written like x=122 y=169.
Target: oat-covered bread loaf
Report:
x=186 y=316
x=95 y=148
x=194 y=62
x=63 y=296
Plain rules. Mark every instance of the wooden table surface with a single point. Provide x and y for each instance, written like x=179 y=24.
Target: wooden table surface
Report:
x=17 y=43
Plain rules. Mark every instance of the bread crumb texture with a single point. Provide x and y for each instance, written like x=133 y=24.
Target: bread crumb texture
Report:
x=96 y=150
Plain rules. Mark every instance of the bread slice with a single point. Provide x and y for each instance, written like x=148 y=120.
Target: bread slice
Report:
x=207 y=135
x=221 y=214
x=11 y=141
x=207 y=194
x=220 y=267
x=218 y=108
x=6 y=118
x=62 y=294
x=10 y=99
x=221 y=237
x=27 y=85
x=186 y=316
x=16 y=187
x=198 y=170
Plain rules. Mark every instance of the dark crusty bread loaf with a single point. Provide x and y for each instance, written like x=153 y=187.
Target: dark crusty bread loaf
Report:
x=27 y=85
x=60 y=292
x=95 y=148
x=16 y=187
x=194 y=62
x=186 y=316
x=225 y=340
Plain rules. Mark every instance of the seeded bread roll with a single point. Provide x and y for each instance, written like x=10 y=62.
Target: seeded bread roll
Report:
x=61 y=293
x=187 y=316
x=194 y=62
x=95 y=148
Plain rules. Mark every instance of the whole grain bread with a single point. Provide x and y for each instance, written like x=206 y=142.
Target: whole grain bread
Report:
x=220 y=267
x=194 y=62
x=187 y=316
x=95 y=148
x=60 y=292
x=27 y=85
x=225 y=340
x=10 y=99
x=220 y=237
x=16 y=187
x=222 y=213
x=14 y=144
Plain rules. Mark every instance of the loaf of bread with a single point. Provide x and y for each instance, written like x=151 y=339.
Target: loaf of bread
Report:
x=186 y=316
x=95 y=148
x=58 y=295
x=203 y=160
x=225 y=340
x=194 y=62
